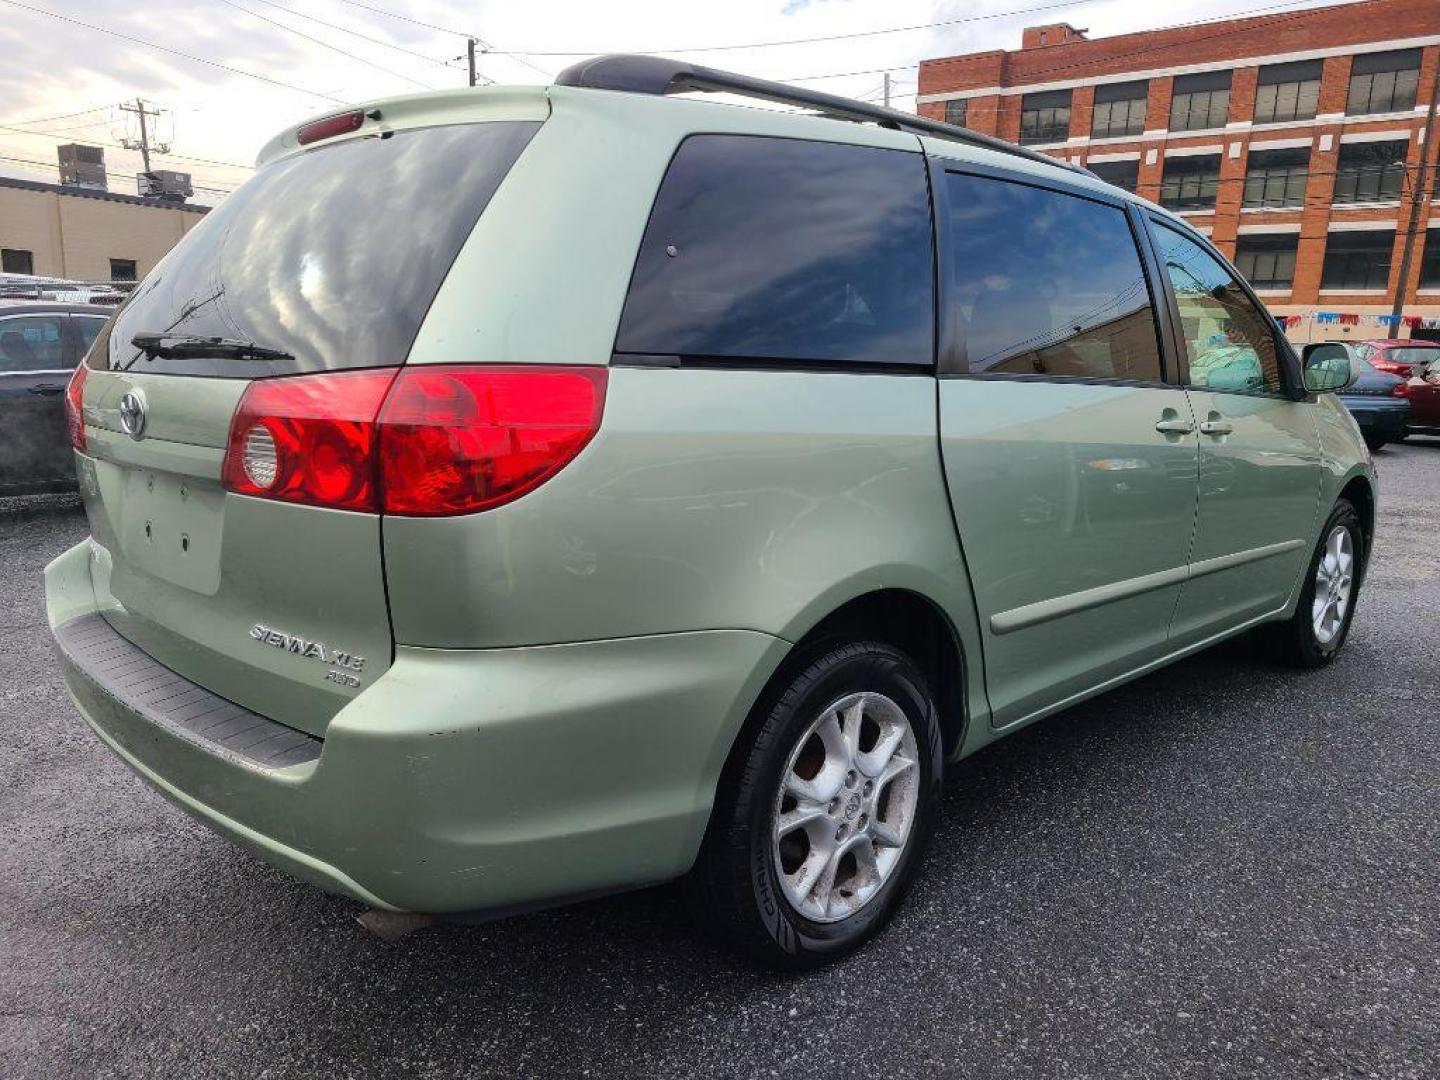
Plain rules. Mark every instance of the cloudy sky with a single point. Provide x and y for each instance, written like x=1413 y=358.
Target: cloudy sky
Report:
x=257 y=66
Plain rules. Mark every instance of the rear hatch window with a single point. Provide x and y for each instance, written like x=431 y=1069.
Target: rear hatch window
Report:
x=330 y=257
x=325 y=260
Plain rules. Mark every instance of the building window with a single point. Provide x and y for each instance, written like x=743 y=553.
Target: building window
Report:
x=1276 y=177
x=122 y=269
x=1383 y=82
x=1045 y=118
x=1119 y=109
x=1358 y=260
x=1371 y=172
x=1123 y=174
x=955 y=110
x=1288 y=91
x=1190 y=183
x=1430 y=261
x=1268 y=262
x=1200 y=101
x=15 y=261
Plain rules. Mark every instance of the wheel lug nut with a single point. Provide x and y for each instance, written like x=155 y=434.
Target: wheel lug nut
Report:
x=869 y=787
x=850 y=778
x=834 y=805
x=864 y=820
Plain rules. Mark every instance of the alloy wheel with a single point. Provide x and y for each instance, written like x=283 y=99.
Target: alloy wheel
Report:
x=1334 y=580
x=846 y=807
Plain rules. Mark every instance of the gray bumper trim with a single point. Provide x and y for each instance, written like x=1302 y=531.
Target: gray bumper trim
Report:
x=144 y=685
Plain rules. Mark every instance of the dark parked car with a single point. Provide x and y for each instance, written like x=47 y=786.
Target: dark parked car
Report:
x=40 y=344
x=1373 y=399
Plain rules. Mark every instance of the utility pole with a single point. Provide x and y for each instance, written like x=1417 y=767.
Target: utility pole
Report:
x=887 y=89
x=470 y=52
x=1417 y=196
x=143 y=143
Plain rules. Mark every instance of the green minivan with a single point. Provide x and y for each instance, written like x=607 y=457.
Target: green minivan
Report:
x=515 y=495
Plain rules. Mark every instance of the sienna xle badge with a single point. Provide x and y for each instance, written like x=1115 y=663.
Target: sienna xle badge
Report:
x=675 y=495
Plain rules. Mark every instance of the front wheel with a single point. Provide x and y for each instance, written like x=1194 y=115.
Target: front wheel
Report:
x=1317 y=631
x=821 y=819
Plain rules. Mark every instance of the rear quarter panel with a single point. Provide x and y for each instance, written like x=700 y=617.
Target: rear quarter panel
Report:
x=738 y=499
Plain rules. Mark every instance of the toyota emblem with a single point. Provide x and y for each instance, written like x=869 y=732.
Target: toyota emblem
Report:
x=132 y=413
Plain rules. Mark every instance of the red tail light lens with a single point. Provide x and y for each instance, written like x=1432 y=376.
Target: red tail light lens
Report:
x=330 y=126
x=455 y=440
x=309 y=439
x=1401 y=390
x=75 y=407
x=446 y=440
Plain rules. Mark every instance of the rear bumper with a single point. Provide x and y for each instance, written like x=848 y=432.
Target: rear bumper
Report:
x=1383 y=418
x=461 y=780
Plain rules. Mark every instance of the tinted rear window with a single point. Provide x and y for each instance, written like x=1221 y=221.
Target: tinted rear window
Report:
x=785 y=250
x=332 y=255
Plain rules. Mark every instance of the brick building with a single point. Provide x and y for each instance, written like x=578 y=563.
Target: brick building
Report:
x=1294 y=140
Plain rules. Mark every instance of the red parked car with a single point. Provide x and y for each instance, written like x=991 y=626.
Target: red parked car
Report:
x=1423 y=391
x=1397 y=356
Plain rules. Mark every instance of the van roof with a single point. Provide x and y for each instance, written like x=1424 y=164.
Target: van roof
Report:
x=652 y=77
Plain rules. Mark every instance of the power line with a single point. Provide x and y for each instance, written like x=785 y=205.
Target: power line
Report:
x=487 y=46
x=118 y=146
x=120 y=175
x=1287 y=16
x=173 y=52
x=64 y=116
x=358 y=34
x=817 y=40
x=326 y=45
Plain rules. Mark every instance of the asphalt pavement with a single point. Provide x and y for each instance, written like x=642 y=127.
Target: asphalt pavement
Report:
x=1226 y=869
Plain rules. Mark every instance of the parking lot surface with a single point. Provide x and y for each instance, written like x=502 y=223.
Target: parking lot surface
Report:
x=1226 y=869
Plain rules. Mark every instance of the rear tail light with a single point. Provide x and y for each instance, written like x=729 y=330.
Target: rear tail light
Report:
x=1401 y=390
x=455 y=440
x=309 y=439
x=75 y=407
x=427 y=442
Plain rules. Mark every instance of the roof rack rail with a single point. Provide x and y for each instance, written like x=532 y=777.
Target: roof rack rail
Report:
x=656 y=75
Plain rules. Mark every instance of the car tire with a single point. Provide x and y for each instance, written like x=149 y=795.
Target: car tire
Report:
x=837 y=709
x=1315 y=634
x=1375 y=444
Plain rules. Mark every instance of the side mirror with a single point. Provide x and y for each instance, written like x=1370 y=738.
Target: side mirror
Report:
x=1327 y=367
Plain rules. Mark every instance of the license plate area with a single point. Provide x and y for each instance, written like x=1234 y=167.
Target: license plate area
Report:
x=172 y=528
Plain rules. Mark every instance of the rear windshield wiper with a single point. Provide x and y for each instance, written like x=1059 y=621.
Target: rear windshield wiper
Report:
x=193 y=346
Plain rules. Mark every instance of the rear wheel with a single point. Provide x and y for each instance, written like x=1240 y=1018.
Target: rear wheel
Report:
x=821 y=820
x=1317 y=631
x=1375 y=443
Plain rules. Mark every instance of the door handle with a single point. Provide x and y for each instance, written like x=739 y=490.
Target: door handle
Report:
x=47 y=390
x=1174 y=427
x=1217 y=427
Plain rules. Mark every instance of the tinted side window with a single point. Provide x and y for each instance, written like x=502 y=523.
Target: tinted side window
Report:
x=1229 y=342
x=781 y=249
x=86 y=328
x=32 y=343
x=1048 y=283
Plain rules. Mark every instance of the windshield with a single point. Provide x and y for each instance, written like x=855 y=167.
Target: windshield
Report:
x=327 y=259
